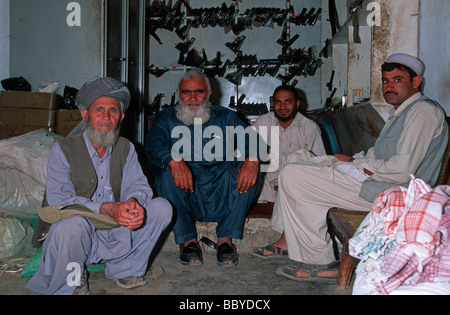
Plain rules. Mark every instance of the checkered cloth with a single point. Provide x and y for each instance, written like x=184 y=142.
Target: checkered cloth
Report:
x=424 y=210
x=403 y=266
x=422 y=254
x=391 y=205
x=414 y=226
x=412 y=215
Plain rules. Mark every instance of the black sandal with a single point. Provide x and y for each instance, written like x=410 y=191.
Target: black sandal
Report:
x=190 y=253
x=227 y=252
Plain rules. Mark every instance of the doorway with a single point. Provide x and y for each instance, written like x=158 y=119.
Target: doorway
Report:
x=125 y=53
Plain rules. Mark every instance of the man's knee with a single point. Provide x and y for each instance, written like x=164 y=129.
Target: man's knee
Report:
x=160 y=209
x=288 y=172
x=164 y=177
x=70 y=229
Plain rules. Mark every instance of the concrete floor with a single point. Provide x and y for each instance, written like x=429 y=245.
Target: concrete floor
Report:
x=252 y=276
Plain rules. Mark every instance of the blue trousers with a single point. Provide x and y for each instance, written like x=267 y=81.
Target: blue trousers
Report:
x=76 y=241
x=215 y=199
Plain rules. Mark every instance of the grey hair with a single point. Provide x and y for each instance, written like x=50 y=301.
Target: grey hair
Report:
x=194 y=74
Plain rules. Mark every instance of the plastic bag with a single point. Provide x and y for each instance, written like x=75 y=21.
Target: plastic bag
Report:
x=15 y=239
x=20 y=195
x=48 y=87
x=29 y=153
x=16 y=84
x=70 y=94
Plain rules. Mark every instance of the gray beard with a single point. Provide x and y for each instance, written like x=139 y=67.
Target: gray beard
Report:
x=102 y=139
x=187 y=115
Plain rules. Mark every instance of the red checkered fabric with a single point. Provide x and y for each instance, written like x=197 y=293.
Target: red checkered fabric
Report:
x=419 y=219
x=392 y=203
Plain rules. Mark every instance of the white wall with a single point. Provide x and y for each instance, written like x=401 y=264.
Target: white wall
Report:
x=4 y=40
x=434 y=48
x=45 y=48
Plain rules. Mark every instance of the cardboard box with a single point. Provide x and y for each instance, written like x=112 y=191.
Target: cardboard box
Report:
x=23 y=112
x=30 y=100
x=66 y=120
x=67 y=117
x=10 y=131
x=28 y=117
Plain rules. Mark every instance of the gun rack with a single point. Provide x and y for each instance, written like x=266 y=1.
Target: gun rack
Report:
x=181 y=19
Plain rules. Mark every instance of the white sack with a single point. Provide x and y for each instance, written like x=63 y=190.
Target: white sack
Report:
x=28 y=153
x=20 y=195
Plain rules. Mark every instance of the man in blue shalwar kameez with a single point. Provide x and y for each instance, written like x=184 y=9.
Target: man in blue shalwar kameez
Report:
x=200 y=171
x=99 y=170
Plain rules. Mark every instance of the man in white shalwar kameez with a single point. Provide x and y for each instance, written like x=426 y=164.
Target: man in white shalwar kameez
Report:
x=412 y=142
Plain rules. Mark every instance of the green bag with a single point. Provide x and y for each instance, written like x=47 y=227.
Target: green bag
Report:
x=15 y=239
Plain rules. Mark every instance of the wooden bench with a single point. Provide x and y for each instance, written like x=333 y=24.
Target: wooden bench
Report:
x=343 y=224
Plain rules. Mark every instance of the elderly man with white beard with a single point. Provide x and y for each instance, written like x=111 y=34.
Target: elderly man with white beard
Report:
x=203 y=187
x=96 y=176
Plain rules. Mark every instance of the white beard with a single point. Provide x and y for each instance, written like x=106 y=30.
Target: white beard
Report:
x=187 y=115
x=102 y=139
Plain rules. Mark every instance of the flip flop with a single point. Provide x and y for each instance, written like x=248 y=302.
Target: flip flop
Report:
x=290 y=272
x=276 y=252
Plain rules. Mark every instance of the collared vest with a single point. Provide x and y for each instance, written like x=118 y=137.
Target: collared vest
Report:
x=386 y=147
x=83 y=174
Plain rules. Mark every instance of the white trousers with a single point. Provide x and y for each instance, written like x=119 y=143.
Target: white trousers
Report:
x=307 y=190
x=268 y=193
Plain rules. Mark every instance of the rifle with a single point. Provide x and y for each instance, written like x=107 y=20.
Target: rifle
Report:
x=329 y=100
x=330 y=84
x=334 y=18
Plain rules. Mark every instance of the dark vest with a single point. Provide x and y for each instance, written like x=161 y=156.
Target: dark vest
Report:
x=83 y=174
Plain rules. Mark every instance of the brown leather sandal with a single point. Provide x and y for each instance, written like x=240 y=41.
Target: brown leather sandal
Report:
x=291 y=272
x=128 y=283
x=275 y=252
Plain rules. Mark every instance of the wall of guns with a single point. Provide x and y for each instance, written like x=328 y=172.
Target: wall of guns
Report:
x=181 y=19
x=173 y=18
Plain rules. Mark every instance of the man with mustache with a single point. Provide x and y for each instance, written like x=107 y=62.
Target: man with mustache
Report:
x=412 y=142
x=201 y=187
x=119 y=221
x=295 y=132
